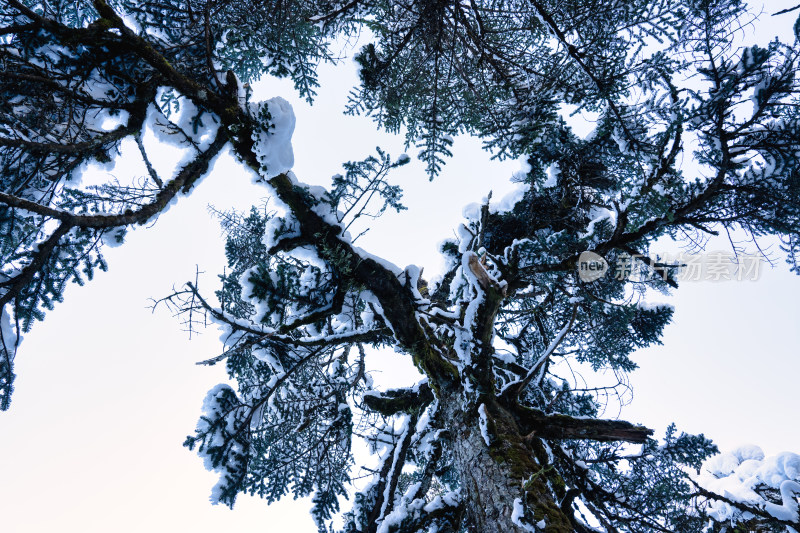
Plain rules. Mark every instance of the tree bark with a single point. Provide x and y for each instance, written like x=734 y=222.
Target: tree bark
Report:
x=493 y=476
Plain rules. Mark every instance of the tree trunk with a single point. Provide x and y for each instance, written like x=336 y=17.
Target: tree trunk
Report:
x=494 y=476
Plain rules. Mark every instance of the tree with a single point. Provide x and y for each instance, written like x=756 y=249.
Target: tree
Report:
x=491 y=438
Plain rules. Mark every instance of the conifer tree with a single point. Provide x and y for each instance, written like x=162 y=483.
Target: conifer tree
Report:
x=491 y=438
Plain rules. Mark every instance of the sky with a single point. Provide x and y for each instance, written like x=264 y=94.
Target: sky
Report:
x=107 y=388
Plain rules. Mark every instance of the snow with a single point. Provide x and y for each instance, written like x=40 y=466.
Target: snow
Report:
x=466 y=280
x=370 y=300
x=198 y=125
x=505 y=357
x=472 y=211
x=388 y=265
x=113 y=237
x=552 y=176
x=110 y=122
x=273 y=140
x=597 y=214
x=737 y=474
x=621 y=140
x=518 y=514
x=412 y=273
x=655 y=306
x=211 y=413
x=511 y=199
x=524 y=167
x=228 y=334
x=286 y=225
x=268 y=356
x=749 y=451
x=367 y=315
x=387 y=495
x=249 y=289
x=439 y=502
x=465 y=237
x=484 y=424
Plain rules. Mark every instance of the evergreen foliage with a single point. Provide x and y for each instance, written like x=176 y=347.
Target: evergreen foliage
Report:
x=492 y=437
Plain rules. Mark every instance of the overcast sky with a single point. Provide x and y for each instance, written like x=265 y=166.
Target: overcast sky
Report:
x=107 y=390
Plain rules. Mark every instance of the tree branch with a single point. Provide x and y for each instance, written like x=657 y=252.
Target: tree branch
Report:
x=557 y=426
x=43 y=252
x=395 y=401
x=399 y=306
x=183 y=182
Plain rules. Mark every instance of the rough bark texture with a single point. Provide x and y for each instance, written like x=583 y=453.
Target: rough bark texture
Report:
x=493 y=476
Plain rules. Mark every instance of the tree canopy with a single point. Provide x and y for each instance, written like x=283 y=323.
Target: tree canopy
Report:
x=492 y=437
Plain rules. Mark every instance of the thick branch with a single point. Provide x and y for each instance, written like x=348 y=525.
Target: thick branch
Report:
x=399 y=306
x=483 y=326
x=538 y=424
x=391 y=476
x=395 y=401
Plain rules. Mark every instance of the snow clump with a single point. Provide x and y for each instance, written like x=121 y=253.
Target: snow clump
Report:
x=745 y=476
x=273 y=139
